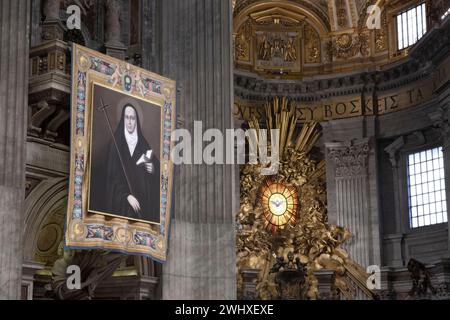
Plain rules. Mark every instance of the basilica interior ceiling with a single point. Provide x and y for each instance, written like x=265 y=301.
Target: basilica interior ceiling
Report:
x=301 y=38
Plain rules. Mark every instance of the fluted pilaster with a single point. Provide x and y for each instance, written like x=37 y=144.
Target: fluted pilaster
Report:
x=196 y=52
x=14 y=48
x=351 y=189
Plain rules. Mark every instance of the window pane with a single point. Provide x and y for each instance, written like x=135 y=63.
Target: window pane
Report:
x=423 y=167
x=439 y=206
x=420 y=211
x=436 y=164
x=417 y=157
x=411 y=26
x=433 y=219
x=418 y=178
x=426 y=187
x=400 y=32
x=405 y=30
x=424 y=20
x=419 y=189
x=423 y=156
x=419 y=22
x=433 y=208
x=431 y=186
x=435 y=153
x=421 y=222
x=432 y=197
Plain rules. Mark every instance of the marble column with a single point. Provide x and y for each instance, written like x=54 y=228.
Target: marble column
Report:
x=350 y=161
x=393 y=242
x=441 y=121
x=14 y=51
x=352 y=185
x=196 y=52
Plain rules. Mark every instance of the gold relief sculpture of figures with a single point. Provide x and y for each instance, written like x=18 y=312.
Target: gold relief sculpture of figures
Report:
x=277 y=48
x=312 y=45
x=242 y=42
x=381 y=35
x=363 y=40
x=290 y=52
x=242 y=48
x=308 y=235
x=341 y=13
x=265 y=48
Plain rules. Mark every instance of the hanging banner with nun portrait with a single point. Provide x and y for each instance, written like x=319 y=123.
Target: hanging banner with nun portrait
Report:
x=121 y=171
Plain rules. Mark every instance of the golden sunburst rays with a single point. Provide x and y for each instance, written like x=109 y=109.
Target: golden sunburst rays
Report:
x=279 y=205
x=318 y=175
x=286 y=212
x=281 y=114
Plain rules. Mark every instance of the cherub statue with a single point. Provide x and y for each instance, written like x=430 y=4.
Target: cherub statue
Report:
x=278 y=265
x=116 y=77
x=139 y=84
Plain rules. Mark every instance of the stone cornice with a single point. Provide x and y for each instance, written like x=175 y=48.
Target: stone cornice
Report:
x=422 y=62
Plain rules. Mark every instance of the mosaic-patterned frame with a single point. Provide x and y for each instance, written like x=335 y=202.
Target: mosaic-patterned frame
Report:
x=85 y=230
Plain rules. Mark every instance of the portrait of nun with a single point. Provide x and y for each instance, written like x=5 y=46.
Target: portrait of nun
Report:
x=129 y=187
x=127 y=170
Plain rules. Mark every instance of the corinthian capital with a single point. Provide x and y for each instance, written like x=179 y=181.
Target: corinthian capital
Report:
x=349 y=158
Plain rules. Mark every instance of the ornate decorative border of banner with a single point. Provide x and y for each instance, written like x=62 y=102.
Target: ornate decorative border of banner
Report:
x=85 y=230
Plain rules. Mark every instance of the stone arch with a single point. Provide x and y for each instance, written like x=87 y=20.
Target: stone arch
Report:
x=48 y=197
x=311 y=17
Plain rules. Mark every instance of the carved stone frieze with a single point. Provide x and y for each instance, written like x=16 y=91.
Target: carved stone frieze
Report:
x=312 y=45
x=350 y=160
x=347 y=46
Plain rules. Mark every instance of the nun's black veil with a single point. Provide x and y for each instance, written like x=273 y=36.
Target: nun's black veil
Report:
x=144 y=186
